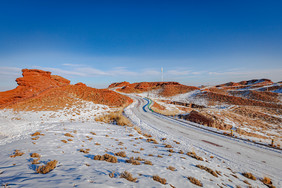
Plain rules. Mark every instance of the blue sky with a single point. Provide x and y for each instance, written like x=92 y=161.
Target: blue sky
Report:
x=100 y=42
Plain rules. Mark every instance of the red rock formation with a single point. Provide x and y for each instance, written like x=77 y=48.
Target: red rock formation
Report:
x=119 y=84
x=33 y=82
x=39 y=90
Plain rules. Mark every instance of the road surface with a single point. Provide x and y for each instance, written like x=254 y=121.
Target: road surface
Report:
x=239 y=154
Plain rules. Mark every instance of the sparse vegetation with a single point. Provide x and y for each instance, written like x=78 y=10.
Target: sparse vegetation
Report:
x=128 y=176
x=195 y=181
x=147 y=162
x=68 y=134
x=194 y=155
x=171 y=168
x=121 y=154
x=84 y=150
x=17 y=153
x=267 y=181
x=106 y=157
x=35 y=155
x=249 y=175
x=159 y=179
x=44 y=169
x=115 y=118
x=133 y=161
x=208 y=170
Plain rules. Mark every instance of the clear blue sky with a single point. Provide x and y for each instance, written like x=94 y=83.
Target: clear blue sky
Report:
x=99 y=42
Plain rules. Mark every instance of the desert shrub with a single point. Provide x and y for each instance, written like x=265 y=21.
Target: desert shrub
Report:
x=17 y=153
x=151 y=155
x=167 y=146
x=163 y=139
x=84 y=150
x=152 y=140
x=181 y=152
x=139 y=159
x=147 y=162
x=68 y=134
x=135 y=151
x=207 y=169
x=159 y=156
x=70 y=140
x=159 y=179
x=128 y=176
x=35 y=138
x=114 y=118
x=44 y=169
x=106 y=157
x=249 y=175
x=267 y=181
x=97 y=144
x=35 y=155
x=141 y=149
x=133 y=161
x=64 y=141
x=171 y=168
x=92 y=133
x=195 y=181
x=171 y=150
x=194 y=155
x=121 y=154
x=37 y=134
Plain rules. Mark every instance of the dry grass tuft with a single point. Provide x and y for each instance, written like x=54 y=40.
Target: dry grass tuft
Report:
x=194 y=155
x=171 y=150
x=35 y=155
x=84 y=150
x=159 y=156
x=195 y=181
x=92 y=133
x=151 y=155
x=167 y=146
x=68 y=134
x=147 y=162
x=17 y=153
x=141 y=149
x=208 y=170
x=135 y=151
x=249 y=175
x=70 y=140
x=267 y=181
x=64 y=141
x=181 y=152
x=163 y=139
x=35 y=138
x=171 y=168
x=106 y=157
x=114 y=118
x=159 y=179
x=139 y=159
x=121 y=154
x=133 y=161
x=152 y=140
x=44 y=169
x=97 y=144
x=128 y=176
x=37 y=134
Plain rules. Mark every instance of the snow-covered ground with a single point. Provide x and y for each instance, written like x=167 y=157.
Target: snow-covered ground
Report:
x=77 y=169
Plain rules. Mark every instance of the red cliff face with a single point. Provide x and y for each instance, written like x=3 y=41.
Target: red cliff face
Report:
x=119 y=84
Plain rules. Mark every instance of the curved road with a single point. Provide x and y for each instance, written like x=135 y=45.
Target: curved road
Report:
x=239 y=154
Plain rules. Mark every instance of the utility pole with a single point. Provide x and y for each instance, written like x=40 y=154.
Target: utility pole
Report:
x=162 y=70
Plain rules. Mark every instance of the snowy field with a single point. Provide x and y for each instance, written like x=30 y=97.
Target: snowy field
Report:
x=78 y=169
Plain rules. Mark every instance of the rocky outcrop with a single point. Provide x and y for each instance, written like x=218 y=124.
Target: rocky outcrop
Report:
x=32 y=83
x=118 y=84
x=39 y=90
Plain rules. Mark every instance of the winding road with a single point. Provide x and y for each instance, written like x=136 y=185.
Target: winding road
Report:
x=238 y=153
